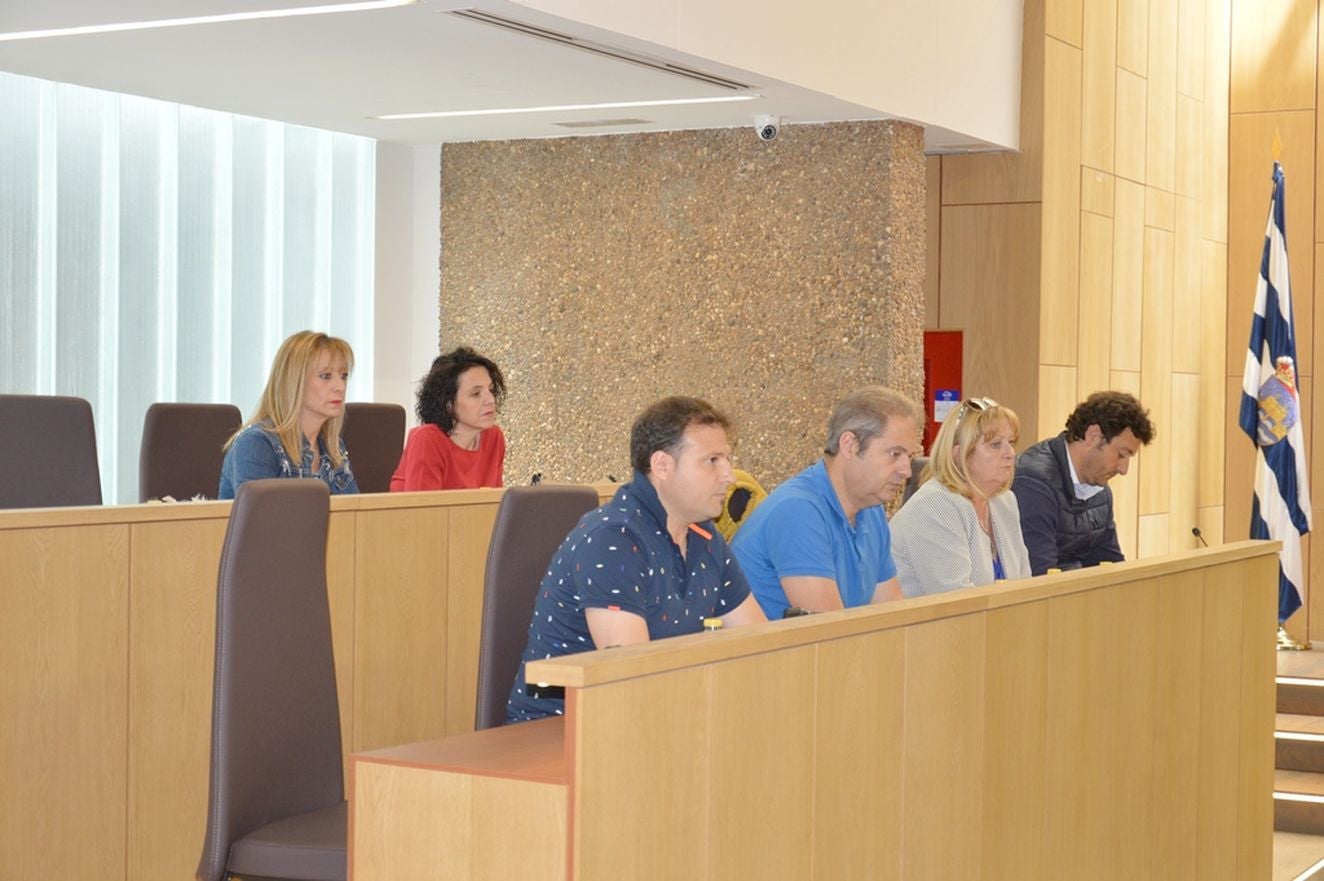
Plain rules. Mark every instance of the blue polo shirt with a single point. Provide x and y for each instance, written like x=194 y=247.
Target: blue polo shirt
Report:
x=801 y=529
x=621 y=556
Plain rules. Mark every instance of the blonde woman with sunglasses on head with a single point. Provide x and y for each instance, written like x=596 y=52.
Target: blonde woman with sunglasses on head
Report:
x=962 y=528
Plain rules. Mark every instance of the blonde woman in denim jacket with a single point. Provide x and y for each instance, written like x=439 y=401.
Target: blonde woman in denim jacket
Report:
x=296 y=429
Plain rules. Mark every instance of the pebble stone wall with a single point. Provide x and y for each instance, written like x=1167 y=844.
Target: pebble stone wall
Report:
x=602 y=273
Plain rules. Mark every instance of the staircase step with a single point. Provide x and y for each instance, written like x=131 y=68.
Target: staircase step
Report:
x=1299 y=742
x=1298 y=802
x=1297 y=857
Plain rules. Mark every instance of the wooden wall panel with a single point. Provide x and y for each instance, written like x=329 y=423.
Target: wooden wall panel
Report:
x=932 y=238
x=63 y=650
x=1131 y=119
x=1161 y=95
x=1190 y=149
x=1060 y=267
x=943 y=746
x=340 y=575
x=1071 y=754
x=1156 y=368
x=1094 y=344
x=1191 y=45
x=1211 y=525
x=743 y=788
x=861 y=679
x=1187 y=294
x=1126 y=488
x=1015 y=732
x=1154 y=531
x=173 y=622
x=990 y=254
x=1099 y=84
x=1096 y=192
x=470 y=533
x=1057 y=398
x=1258 y=664
x=1160 y=209
x=1238 y=469
x=1213 y=394
x=1220 y=708
x=397 y=592
x=1215 y=117
x=1273 y=55
x=1187 y=451
x=1062 y=19
x=671 y=839
x=1128 y=275
x=1133 y=36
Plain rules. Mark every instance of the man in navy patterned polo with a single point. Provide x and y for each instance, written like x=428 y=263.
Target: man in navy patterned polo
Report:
x=648 y=564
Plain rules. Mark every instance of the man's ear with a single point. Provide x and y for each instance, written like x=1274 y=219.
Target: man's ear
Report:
x=1094 y=435
x=661 y=464
x=848 y=444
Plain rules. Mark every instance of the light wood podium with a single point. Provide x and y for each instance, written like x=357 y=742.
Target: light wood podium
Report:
x=1114 y=723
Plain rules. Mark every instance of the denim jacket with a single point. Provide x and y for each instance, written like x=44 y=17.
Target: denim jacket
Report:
x=257 y=453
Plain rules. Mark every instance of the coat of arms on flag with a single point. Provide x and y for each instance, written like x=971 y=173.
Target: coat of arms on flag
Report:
x=1279 y=406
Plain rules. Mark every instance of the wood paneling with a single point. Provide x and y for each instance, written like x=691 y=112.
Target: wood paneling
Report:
x=1188 y=326
x=1060 y=267
x=944 y=749
x=1190 y=148
x=400 y=627
x=1215 y=118
x=670 y=838
x=1273 y=55
x=932 y=238
x=1131 y=115
x=340 y=579
x=1213 y=409
x=1211 y=525
x=859 y=679
x=1096 y=192
x=990 y=254
x=1062 y=19
x=1220 y=656
x=1133 y=35
x=1191 y=46
x=1015 y=738
x=741 y=791
x=1057 y=398
x=1255 y=724
x=1156 y=369
x=64 y=640
x=1160 y=209
x=1238 y=469
x=469 y=527
x=173 y=622
x=1161 y=97
x=1099 y=84
x=1094 y=345
x=1128 y=275
x=1187 y=450
x=1176 y=704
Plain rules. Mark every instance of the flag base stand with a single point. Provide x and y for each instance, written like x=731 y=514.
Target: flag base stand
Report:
x=1289 y=643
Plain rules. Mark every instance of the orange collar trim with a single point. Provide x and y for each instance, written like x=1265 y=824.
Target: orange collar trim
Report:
x=694 y=527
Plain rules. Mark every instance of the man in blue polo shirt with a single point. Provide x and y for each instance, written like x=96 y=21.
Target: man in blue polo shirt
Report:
x=820 y=541
x=648 y=564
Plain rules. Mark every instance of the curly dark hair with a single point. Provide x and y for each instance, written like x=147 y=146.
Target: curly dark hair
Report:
x=437 y=390
x=1113 y=412
x=662 y=426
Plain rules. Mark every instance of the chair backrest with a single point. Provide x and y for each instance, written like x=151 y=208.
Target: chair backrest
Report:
x=48 y=452
x=275 y=741
x=917 y=465
x=531 y=523
x=375 y=437
x=181 y=451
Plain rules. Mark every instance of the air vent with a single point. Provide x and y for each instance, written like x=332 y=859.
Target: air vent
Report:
x=602 y=123
x=541 y=33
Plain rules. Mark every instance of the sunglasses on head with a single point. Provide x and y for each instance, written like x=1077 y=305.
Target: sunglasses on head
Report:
x=979 y=405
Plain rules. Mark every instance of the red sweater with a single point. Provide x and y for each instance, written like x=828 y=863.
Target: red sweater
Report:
x=432 y=460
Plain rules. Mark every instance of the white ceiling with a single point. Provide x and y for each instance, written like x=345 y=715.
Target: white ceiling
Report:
x=338 y=71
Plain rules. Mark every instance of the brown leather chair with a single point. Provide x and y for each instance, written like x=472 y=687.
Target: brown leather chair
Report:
x=276 y=808
x=375 y=437
x=917 y=465
x=48 y=452
x=531 y=523
x=182 y=449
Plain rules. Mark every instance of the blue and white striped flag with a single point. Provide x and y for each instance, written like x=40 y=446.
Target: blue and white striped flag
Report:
x=1271 y=412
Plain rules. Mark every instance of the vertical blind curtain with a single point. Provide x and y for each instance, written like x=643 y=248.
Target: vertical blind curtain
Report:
x=156 y=252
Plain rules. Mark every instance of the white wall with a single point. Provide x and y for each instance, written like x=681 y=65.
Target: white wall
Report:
x=949 y=63
x=408 y=275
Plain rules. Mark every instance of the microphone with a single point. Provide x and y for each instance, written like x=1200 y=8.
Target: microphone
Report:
x=1195 y=531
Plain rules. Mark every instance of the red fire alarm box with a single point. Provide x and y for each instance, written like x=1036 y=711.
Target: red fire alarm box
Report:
x=942 y=379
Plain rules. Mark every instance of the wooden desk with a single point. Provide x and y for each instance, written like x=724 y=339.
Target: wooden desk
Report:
x=1109 y=723
x=106 y=646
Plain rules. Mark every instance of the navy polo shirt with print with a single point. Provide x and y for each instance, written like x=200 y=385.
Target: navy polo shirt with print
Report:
x=621 y=556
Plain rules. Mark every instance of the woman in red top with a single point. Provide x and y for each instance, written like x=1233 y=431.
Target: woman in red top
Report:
x=458 y=445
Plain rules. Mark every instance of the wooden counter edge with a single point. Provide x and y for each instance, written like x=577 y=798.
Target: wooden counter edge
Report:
x=531 y=751
x=612 y=665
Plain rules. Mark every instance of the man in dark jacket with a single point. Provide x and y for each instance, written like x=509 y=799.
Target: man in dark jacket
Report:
x=1061 y=483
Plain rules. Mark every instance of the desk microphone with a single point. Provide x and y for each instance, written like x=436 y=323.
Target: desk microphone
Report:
x=1195 y=531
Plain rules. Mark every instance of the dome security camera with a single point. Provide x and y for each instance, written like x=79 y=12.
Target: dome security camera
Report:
x=767 y=126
